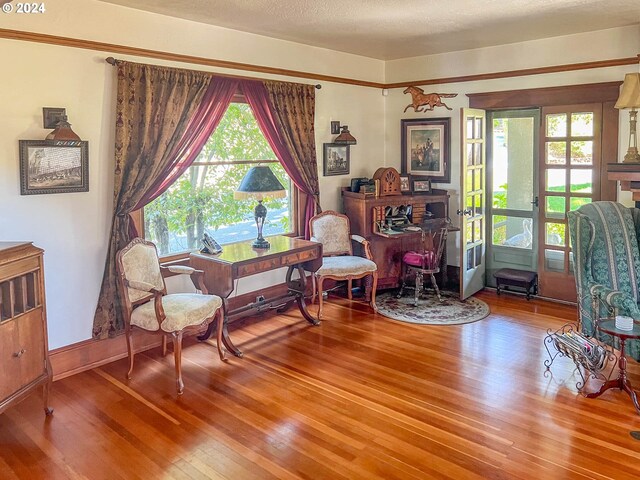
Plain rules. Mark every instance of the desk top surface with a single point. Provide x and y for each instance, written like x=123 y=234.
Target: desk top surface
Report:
x=244 y=252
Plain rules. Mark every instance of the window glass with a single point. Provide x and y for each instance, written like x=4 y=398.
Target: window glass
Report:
x=201 y=200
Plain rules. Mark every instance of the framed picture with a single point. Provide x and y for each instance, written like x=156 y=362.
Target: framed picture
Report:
x=335 y=160
x=60 y=167
x=405 y=184
x=422 y=186
x=426 y=148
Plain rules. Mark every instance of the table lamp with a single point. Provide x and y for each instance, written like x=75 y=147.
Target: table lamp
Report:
x=630 y=98
x=258 y=183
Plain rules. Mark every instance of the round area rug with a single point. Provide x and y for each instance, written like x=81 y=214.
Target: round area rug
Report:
x=431 y=311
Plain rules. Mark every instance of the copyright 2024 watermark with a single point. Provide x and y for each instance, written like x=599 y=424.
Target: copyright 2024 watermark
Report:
x=8 y=6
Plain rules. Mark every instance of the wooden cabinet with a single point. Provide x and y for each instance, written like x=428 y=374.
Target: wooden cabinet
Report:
x=365 y=214
x=24 y=358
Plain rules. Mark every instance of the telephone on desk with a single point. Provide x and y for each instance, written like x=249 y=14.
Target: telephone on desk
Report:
x=210 y=246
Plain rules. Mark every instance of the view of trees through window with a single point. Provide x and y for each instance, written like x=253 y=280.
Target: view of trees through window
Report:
x=201 y=200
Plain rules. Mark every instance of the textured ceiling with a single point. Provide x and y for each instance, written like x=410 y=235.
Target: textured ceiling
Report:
x=390 y=29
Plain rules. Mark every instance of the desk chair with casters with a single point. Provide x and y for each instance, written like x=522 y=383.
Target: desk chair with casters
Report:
x=148 y=306
x=332 y=229
x=426 y=262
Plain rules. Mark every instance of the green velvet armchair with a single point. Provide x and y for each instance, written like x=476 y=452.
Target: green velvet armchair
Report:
x=604 y=237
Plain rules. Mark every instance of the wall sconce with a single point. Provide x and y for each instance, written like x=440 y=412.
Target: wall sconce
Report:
x=630 y=98
x=56 y=118
x=344 y=137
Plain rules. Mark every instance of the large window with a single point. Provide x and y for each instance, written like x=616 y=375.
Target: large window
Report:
x=201 y=200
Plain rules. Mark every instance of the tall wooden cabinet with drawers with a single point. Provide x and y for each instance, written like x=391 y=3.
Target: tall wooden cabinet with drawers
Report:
x=24 y=357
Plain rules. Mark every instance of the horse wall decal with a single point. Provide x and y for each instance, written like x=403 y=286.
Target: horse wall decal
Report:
x=430 y=100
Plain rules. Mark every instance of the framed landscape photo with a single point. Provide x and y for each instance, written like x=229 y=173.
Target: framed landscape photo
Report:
x=426 y=148
x=422 y=186
x=335 y=160
x=46 y=167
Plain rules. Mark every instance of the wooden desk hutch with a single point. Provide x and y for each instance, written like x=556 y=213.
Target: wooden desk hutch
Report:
x=365 y=213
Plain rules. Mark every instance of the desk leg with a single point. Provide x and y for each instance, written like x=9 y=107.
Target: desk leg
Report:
x=226 y=340
x=298 y=287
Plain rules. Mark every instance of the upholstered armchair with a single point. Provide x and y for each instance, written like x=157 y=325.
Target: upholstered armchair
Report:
x=604 y=238
x=339 y=263
x=148 y=306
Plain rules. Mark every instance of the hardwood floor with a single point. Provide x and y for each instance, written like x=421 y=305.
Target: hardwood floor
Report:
x=360 y=397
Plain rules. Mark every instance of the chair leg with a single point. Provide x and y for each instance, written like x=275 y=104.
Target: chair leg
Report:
x=220 y=319
x=313 y=288
x=177 y=353
x=435 y=286
x=164 y=345
x=320 y=300
x=127 y=334
x=418 y=290
x=374 y=276
x=349 y=289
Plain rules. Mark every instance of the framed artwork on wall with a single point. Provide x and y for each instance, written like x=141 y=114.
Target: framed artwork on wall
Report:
x=425 y=148
x=335 y=160
x=422 y=186
x=60 y=167
x=405 y=184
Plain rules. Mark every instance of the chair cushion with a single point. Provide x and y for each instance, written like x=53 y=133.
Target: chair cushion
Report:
x=346 y=265
x=426 y=260
x=333 y=232
x=182 y=310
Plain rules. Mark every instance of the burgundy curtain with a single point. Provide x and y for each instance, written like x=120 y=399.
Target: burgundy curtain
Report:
x=163 y=118
x=285 y=113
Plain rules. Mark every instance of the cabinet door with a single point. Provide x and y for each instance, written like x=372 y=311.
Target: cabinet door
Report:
x=9 y=364
x=31 y=340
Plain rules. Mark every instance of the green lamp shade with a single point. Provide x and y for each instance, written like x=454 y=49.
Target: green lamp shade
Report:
x=258 y=183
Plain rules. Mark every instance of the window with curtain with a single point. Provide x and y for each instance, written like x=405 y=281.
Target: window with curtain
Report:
x=201 y=200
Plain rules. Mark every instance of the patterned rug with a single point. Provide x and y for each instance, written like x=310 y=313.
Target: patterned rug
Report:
x=430 y=311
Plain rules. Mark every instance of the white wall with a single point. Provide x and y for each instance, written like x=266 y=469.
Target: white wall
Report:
x=601 y=45
x=73 y=228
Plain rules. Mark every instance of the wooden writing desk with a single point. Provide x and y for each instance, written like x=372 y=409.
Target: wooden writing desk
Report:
x=240 y=260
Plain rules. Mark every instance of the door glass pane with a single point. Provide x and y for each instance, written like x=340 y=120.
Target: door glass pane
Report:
x=557 y=125
x=556 y=153
x=478 y=255
x=469 y=232
x=477 y=204
x=555 y=207
x=513 y=163
x=478 y=178
x=556 y=180
x=470 y=127
x=469 y=153
x=470 y=259
x=469 y=186
x=478 y=129
x=581 y=153
x=581 y=181
x=477 y=230
x=512 y=232
x=576 y=203
x=554 y=260
x=554 y=234
x=478 y=153
x=582 y=124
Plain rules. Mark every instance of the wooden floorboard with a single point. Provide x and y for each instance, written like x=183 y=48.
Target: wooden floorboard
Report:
x=360 y=397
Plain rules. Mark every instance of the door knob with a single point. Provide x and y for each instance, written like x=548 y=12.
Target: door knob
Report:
x=466 y=211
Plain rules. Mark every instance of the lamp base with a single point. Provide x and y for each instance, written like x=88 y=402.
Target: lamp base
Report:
x=632 y=156
x=260 y=243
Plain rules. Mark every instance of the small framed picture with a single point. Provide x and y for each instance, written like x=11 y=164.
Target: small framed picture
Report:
x=335 y=160
x=405 y=184
x=422 y=186
x=426 y=148
x=60 y=167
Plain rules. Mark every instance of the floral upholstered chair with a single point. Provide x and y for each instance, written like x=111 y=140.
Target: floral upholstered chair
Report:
x=339 y=263
x=148 y=306
x=604 y=238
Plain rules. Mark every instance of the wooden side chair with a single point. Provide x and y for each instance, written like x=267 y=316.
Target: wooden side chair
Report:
x=426 y=262
x=148 y=306
x=338 y=261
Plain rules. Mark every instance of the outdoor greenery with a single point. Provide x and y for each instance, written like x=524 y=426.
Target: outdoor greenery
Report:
x=202 y=198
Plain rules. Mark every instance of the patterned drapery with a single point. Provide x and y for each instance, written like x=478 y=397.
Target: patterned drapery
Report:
x=163 y=118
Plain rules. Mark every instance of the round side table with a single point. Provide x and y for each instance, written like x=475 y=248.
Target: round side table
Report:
x=622 y=382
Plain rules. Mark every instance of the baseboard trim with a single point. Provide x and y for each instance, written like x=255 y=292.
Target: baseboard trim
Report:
x=92 y=353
